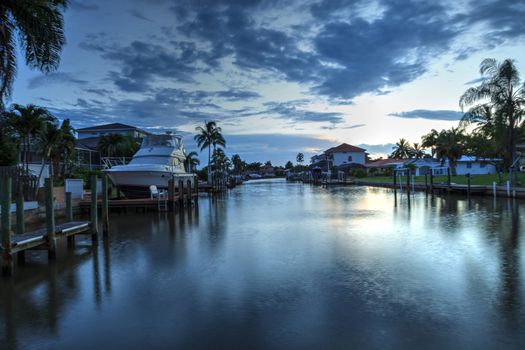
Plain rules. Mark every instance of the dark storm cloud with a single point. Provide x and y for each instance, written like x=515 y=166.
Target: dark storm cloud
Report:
x=141 y=63
x=292 y=111
x=429 y=114
x=55 y=78
x=387 y=52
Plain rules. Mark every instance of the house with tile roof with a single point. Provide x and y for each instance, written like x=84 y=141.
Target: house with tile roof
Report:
x=346 y=154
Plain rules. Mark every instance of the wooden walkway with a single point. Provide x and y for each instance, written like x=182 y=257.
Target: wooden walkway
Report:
x=40 y=237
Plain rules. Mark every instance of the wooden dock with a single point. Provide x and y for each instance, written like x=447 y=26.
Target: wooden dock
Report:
x=175 y=197
x=43 y=238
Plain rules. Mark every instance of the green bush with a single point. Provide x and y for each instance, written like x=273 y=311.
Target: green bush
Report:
x=359 y=173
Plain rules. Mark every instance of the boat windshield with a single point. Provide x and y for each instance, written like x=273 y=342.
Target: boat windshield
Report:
x=162 y=141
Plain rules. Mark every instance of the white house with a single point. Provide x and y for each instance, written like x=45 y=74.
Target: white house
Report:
x=471 y=165
x=346 y=154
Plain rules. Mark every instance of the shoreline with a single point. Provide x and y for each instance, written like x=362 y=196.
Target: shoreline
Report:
x=478 y=190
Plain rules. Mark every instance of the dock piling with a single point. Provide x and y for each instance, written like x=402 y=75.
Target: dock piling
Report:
x=5 y=228
x=20 y=224
x=94 y=209
x=105 y=207
x=69 y=218
x=468 y=184
x=50 y=218
x=188 y=190
x=181 y=192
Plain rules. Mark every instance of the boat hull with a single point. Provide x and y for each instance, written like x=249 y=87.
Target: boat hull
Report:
x=136 y=184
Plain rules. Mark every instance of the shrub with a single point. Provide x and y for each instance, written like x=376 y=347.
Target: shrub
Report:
x=359 y=173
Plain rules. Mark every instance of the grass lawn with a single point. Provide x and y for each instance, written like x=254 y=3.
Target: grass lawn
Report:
x=460 y=179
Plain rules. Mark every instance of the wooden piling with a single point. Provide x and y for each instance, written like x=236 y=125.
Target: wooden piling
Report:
x=408 y=180
x=181 y=192
x=448 y=178
x=395 y=180
x=105 y=206
x=431 y=181
x=171 y=193
x=188 y=190
x=94 y=209
x=468 y=184
x=50 y=218
x=69 y=218
x=5 y=228
x=426 y=182
x=20 y=224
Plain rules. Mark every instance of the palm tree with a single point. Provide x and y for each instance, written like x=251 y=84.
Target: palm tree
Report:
x=28 y=121
x=417 y=151
x=191 y=161
x=208 y=136
x=111 y=145
x=238 y=164
x=429 y=141
x=300 y=158
x=401 y=150
x=450 y=146
x=49 y=139
x=502 y=95
x=38 y=25
x=66 y=149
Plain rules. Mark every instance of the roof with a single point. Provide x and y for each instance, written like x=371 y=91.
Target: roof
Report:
x=381 y=163
x=474 y=159
x=112 y=126
x=344 y=147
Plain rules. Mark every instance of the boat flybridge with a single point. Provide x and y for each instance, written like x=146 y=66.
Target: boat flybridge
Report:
x=159 y=159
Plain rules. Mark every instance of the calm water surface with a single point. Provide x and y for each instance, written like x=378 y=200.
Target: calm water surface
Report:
x=273 y=265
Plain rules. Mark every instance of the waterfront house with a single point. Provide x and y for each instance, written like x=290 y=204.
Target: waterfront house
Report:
x=476 y=166
x=346 y=154
x=421 y=166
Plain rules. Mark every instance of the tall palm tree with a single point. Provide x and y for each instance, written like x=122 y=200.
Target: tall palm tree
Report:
x=239 y=165
x=300 y=158
x=28 y=121
x=417 y=151
x=503 y=94
x=429 y=141
x=208 y=136
x=66 y=149
x=49 y=139
x=191 y=161
x=38 y=26
x=450 y=145
x=401 y=150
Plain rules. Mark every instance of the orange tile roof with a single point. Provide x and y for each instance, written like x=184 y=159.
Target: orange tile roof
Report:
x=344 y=147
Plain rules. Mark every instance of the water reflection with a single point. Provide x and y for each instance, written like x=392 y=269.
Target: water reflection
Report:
x=276 y=265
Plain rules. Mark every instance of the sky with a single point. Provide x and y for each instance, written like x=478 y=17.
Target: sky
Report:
x=279 y=76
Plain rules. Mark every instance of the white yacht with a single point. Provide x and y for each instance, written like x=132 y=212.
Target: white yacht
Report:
x=159 y=159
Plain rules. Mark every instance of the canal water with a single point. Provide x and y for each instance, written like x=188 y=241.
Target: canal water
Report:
x=276 y=265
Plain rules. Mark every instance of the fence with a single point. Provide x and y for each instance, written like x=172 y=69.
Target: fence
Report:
x=23 y=181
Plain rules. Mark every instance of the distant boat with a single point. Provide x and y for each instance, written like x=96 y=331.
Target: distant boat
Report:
x=159 y=159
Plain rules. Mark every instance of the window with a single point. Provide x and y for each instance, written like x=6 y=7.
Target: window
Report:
x=349 y=158
x=469 y=165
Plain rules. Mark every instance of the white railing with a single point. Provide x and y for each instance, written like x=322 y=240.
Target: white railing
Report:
x=109 y=162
